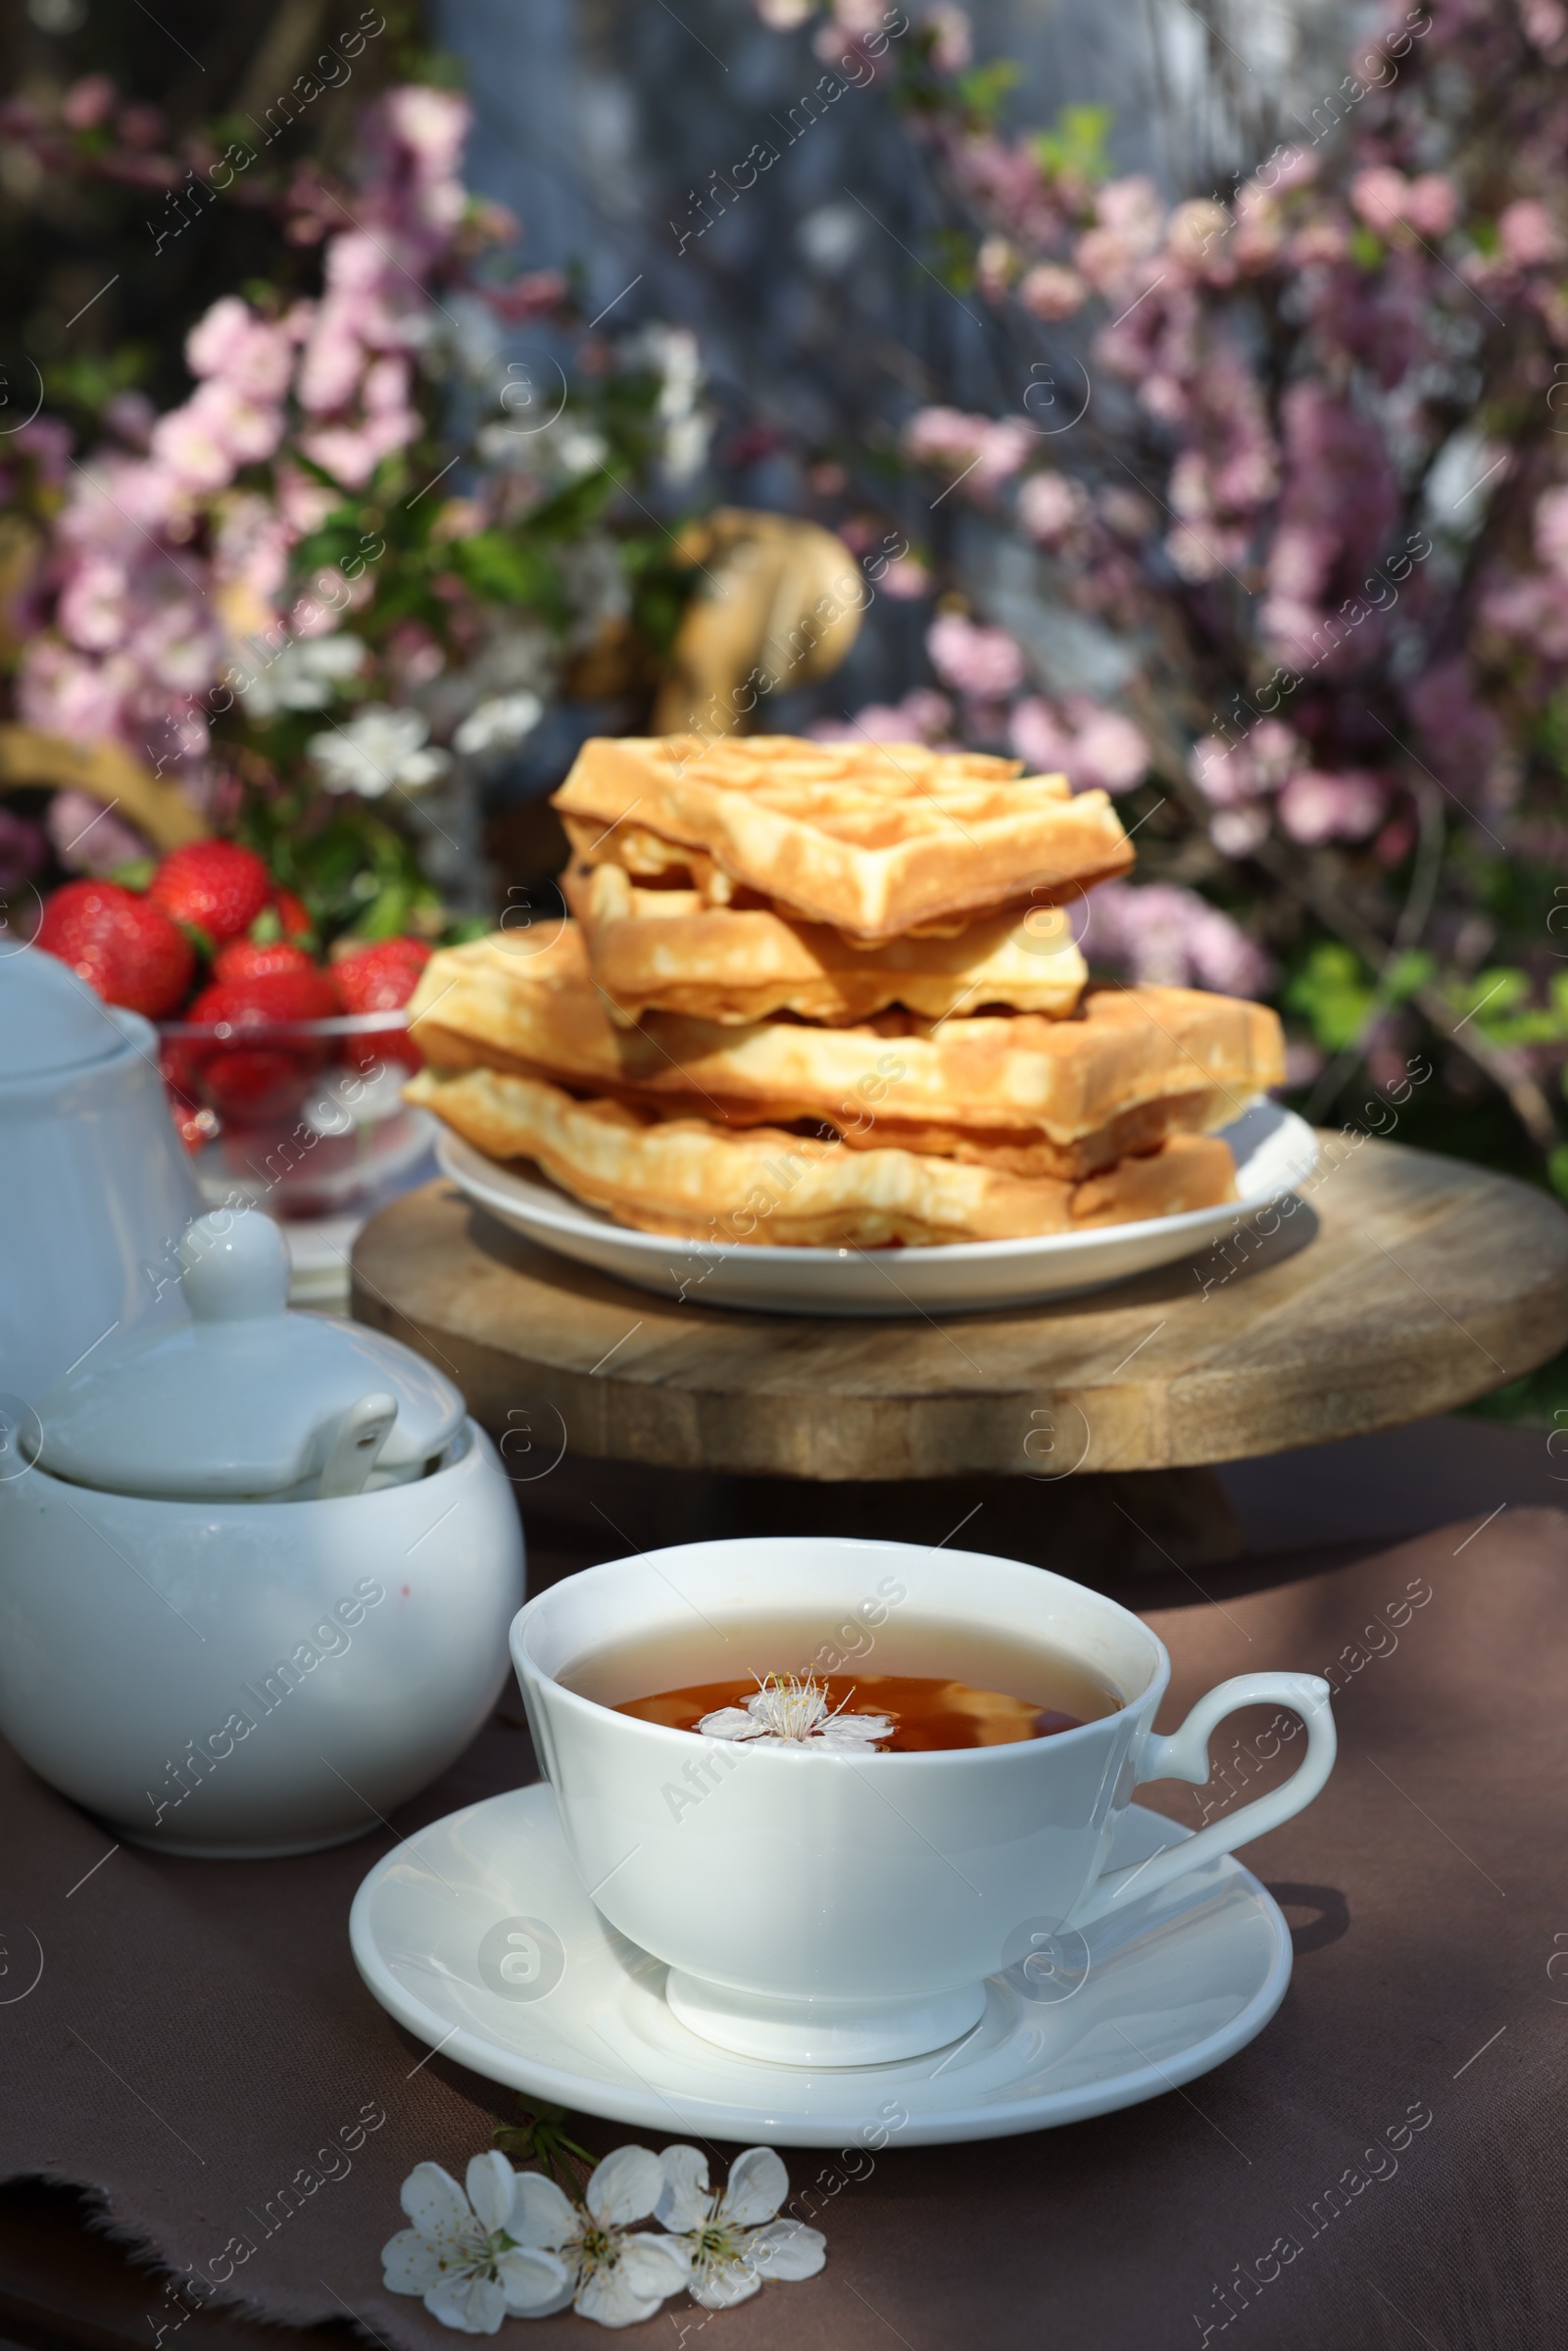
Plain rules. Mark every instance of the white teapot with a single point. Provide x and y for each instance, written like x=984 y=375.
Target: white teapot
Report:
x=256 y=1569
x=94 y=1185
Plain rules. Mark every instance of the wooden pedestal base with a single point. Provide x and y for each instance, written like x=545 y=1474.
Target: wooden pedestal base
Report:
x=1073 y=1433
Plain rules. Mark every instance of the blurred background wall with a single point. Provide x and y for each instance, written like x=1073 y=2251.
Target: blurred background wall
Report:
x=601 y=123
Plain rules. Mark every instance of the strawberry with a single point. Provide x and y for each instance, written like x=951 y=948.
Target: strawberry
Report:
x=216 y=887
x=268 y=997
x=179 y=1065
x=293 y=916
x=246 y=959
x=193 y=1127
x=252 y=1084
x=119 y=943
x=381 y=979
x=283 y=918
x=256 y=1085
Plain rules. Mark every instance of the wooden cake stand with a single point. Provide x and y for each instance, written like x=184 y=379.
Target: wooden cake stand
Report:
x=1405 y=1285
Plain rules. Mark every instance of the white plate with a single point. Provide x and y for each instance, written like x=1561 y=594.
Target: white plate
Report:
x=1172 y=1987
x=1273 y=1149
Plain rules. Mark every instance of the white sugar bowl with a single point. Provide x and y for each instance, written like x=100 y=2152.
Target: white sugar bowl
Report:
x=256 y=1570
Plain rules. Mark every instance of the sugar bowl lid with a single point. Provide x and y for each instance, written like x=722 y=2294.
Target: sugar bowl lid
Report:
x=245 y=1401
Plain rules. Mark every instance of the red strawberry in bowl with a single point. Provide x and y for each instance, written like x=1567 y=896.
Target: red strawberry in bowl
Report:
x=216 y=887
x=252 y=960
x=268 y=997
x=293 y=916
x=178 y=1065
x=252 y=1082
x=122 y=946
x=255 y=1085
x=381 y=979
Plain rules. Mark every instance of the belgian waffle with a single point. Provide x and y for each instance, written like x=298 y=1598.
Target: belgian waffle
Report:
x=671 y=951
x=873 y=838
x=518 y=1004
x=689 y=1177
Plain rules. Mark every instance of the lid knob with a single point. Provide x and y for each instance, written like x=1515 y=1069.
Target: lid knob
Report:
x=235 y=1267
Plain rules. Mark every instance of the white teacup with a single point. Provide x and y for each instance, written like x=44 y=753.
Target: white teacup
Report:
x=823 y=1908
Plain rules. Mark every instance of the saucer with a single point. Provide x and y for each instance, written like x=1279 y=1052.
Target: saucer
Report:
x=1273 y=1149
x=479 y=1937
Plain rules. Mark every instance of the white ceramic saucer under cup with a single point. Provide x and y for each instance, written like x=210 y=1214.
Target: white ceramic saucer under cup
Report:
x=479 y=1937
x=1274 y=1152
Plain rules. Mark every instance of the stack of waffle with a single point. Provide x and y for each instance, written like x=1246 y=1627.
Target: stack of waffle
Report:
x=830 y=994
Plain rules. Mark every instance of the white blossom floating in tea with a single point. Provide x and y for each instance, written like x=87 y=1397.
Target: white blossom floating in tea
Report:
x=797 y=1711
x=913 y=1713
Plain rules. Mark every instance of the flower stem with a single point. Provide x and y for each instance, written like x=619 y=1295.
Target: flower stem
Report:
x=538 y=2137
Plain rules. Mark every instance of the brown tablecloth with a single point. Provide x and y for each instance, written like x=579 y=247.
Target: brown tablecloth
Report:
x=1382 y=2167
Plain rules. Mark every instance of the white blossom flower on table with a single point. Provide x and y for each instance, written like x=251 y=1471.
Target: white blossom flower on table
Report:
x=378 y=751
x=605 y=2272
x=461 y=2255
x=794 y=1710
x=499 y=723
x=734 y=2239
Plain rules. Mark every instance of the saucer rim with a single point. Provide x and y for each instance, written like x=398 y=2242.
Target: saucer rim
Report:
x=627 y=2100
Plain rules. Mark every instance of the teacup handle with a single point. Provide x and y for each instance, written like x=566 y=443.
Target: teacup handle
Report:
x=1184 y=1756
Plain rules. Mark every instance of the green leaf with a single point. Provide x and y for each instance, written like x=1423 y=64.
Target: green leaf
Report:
x=574 y=507
x=1539 y=1400
x=387 y=914
x=1332 y=990
x=1076 y=148
x=657 y=608
x=91 y=381
x=1500 y=989
x=316 y=474
x=1497 y=1002
x=1366 y=249
x=953 y=261
x=982 y=88
x=1536 y=1024
x=1552 y=733
x=504 y=567
x=1406 y=973
x=356 y=873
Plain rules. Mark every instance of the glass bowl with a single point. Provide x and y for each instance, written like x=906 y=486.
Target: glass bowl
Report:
x=301 y=1117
